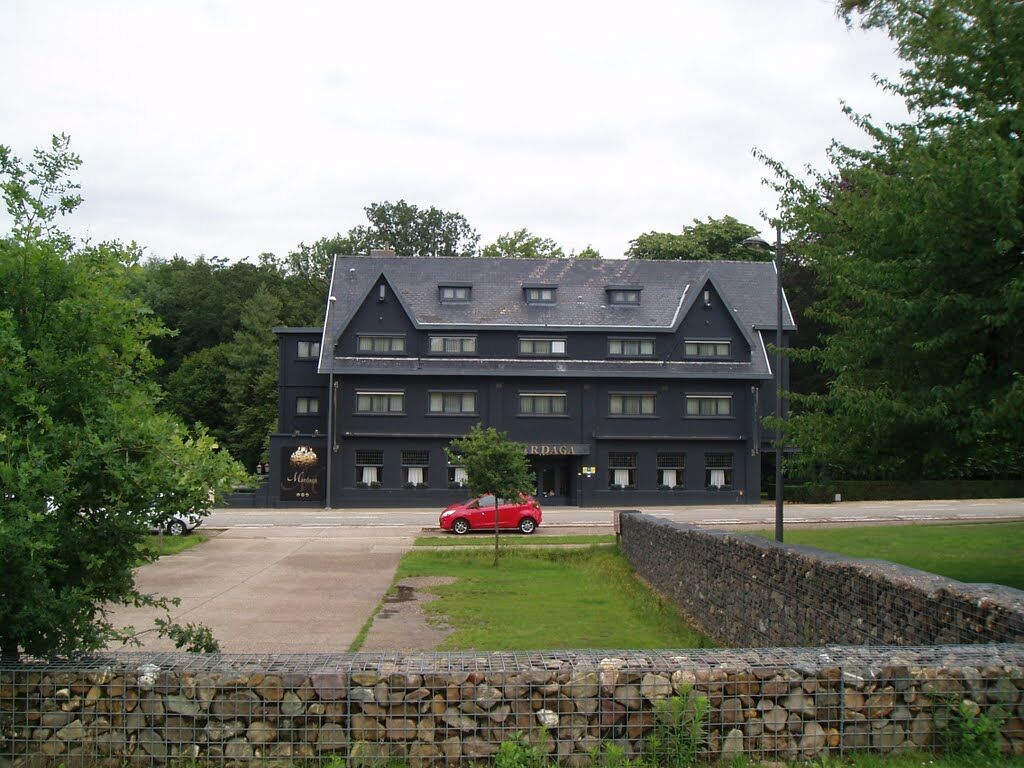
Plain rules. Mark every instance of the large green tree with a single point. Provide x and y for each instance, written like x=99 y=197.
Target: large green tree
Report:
x=86 y=457
x=918 y=246
x=712 y=239
x=413 y=231
x=523 y=244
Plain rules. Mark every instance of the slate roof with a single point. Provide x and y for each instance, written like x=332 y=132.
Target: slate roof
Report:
x=668 y=289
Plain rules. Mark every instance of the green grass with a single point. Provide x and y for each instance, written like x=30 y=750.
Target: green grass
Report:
x=986 y=552
x=547 y=598
x=899 y=760
x=515 y=541
x=172 y=545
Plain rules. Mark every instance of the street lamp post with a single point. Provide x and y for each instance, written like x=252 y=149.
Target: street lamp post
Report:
x=758 y=243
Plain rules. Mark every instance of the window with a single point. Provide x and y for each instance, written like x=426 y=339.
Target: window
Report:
x=380 y=402
x=457 y=476
x=307 y=406
x=382 y=345
x=621 y=470
x=628 y=297
x=414 y=468
x=309 y=349
x=542 y=404
x=453 y=294
x=670 y=470
x=631 y=404
x=718 y=470
x=541 y=295
x=452 y=403
x=631 y=347
x=542 y=347
x=708 y=406
x=708 y=348
x=453 y=345
x=369 y=467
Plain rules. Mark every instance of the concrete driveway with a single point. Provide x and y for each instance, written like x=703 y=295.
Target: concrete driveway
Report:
x=285 y=589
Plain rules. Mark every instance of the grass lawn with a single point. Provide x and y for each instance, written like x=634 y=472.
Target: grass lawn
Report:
x=547 y=599
x=174 y=544
x=984 y=552
x=901 y=760
x=513 y=541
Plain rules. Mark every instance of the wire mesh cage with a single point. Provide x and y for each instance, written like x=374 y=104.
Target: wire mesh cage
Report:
x=445 y=709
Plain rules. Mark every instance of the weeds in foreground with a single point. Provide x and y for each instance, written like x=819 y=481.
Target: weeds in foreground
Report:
x=680 y=729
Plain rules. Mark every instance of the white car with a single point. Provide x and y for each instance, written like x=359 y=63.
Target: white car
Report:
x=178 y=524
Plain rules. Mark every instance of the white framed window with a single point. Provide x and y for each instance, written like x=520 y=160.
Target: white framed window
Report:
x=307 y=406
x=541 y=347
x=631 y=404
x=453 y=345
x=718 y=471
x=709 y=406
x=381 y=345
x=390 y=403
x=542 y=403
x=708 y=348
x=539 y=295
x=454 y=294
x=671 y=468
x=415 y=465
x=369 y=468
x=452 y=403
x=630 y=347
x=628 y=297
x=309 y=349
x=621 y=470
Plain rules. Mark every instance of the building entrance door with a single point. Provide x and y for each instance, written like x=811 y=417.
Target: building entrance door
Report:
x=554 y=482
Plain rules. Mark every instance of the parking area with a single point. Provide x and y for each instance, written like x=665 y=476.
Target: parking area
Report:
x=283 y=589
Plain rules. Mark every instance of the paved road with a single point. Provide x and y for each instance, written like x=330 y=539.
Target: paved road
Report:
x=732 y=515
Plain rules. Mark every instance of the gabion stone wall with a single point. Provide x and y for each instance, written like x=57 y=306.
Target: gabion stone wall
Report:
x=745 y=590
x=450 y=709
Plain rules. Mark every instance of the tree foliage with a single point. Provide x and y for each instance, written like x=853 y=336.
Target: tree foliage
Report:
x=86 y=458
x=494 y=465
x=523 y=244
x=413 y=231
x=918 y=246
x=712 y=239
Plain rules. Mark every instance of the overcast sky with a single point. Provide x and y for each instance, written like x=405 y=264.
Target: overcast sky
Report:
x=234 y=128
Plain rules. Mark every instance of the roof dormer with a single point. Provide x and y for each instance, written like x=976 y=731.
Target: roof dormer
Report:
x=539 y=293
x=454 y=293
x=623 y=295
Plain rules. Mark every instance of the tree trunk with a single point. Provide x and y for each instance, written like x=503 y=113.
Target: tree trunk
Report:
x=495 y=531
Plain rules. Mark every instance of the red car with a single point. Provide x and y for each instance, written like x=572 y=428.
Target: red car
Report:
x=478 y=514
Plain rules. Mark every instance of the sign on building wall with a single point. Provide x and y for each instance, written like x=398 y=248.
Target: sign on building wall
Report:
x=557 y=449
x=302 y=476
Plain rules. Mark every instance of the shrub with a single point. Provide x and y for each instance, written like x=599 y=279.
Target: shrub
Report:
x=680 y=730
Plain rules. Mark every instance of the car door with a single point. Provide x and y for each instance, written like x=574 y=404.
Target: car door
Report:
x=483 y=516
x=508 y=513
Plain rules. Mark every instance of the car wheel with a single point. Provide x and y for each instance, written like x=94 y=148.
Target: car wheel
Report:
x=527 y=526
x=460 y=527
x=176 y=528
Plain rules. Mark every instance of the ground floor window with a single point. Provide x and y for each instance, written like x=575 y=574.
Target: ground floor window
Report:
x=457 y=476
x=670 y=470
x=621 y=470
x=369 y=467
x=414 y=468
x=718 y=470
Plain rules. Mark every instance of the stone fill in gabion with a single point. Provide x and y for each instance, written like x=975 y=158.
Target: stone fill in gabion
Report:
x=745 y=590
x=782 y=704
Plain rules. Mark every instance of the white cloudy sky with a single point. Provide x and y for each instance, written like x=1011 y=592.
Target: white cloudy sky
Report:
x=232 y=128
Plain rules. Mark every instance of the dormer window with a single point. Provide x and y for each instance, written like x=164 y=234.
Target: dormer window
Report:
x=539 y=294
x=454 y=294
x=623 y=297
x=708 y=348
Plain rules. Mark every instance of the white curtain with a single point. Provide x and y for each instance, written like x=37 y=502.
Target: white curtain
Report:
x=461 y=477
x=369 y=475
x=416 y=475
x=717 y=478
x=621 y=478
x=669 y=477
